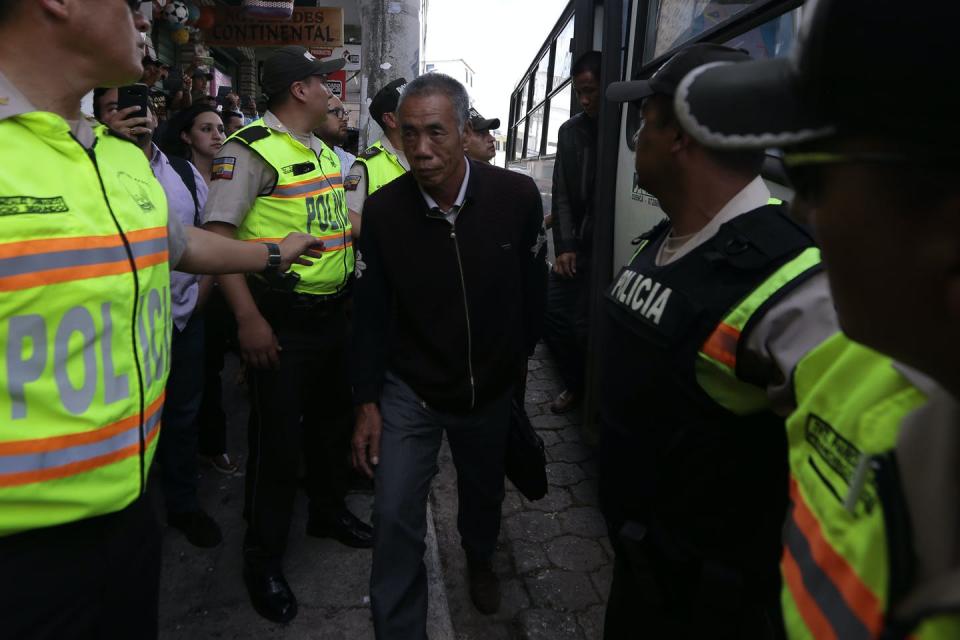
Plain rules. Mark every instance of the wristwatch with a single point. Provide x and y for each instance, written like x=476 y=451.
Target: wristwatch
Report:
x=274 y=260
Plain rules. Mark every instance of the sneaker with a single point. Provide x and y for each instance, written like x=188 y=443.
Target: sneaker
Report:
x=564 y=402
x=200 y=529
x=223 y=464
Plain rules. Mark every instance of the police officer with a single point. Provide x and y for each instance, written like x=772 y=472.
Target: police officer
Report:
x=86 y=247
x=383 y=161
x=700 y=332
x=479 y=143
x=870 y=135
x=275 y=176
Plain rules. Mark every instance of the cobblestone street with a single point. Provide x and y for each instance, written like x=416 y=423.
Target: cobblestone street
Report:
x=554 y=559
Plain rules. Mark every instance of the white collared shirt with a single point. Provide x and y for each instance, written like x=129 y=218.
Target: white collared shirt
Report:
x=450 y=214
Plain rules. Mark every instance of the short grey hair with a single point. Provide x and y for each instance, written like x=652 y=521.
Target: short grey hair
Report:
x=431 y=84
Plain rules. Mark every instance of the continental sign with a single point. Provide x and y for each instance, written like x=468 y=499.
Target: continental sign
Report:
x=307 y=27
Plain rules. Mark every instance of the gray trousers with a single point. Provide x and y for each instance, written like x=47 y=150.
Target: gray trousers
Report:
x=409 y=443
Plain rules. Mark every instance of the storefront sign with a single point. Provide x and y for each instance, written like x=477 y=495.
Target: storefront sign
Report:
x=336 y=82
x=307 y=27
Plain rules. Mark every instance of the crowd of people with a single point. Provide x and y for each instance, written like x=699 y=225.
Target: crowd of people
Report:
x=776 y=453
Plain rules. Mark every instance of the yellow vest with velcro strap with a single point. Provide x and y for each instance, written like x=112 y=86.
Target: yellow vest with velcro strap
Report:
x=382 y=167
x=85 y=322
x=839 y=565
x=308 y=198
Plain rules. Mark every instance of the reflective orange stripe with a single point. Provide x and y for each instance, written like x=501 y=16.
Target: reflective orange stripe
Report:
x=73 y=439
x=334 y=236
x=859 y=598
x=722 y=344
x=816 y=622
x=74 y=468
x=56 y=245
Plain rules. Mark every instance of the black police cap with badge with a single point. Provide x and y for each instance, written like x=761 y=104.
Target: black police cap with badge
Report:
x=292 y=64
x=386 y=100
x=479 y=123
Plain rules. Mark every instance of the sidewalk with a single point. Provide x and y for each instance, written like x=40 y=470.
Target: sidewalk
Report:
x=553 y=559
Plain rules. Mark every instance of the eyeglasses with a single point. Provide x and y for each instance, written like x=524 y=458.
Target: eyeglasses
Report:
x=340 y=113
x=805 y=169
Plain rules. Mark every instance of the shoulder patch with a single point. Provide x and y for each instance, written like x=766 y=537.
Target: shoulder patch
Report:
x=252 y=133
x=352 y=181
x=222 y=168
x=370 y=152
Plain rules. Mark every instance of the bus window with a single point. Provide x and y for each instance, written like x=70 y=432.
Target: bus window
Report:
x=559 y=113
x=534 y=132
x=680 y=21
x=524 y=93
x=519 y=135
x=774 y=39
x=564 y=56
x=540 y=80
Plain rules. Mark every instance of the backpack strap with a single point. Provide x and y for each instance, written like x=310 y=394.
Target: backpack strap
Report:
x=185 y=170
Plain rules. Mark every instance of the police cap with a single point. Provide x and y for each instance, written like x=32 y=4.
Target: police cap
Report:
x=479 y=123
x=861 y=66
x=668 y=76
x=291 y=64
x=386 y=100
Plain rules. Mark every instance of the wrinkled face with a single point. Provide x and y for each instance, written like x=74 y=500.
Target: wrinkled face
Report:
x=892 y=255
x=587 y=88
x=206 y=136
x=432 y=140
x=480 y=145
x=655 y=140
x=106 y=37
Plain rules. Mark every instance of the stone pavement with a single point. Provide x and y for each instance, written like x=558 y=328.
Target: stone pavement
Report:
x=553 y=558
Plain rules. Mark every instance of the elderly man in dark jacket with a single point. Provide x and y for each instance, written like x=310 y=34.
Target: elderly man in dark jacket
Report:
x=449 y=299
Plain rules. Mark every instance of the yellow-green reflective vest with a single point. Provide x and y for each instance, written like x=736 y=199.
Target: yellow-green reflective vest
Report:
x=308 y=198
x=837 y=571
x=85 y=322
x=382 y=166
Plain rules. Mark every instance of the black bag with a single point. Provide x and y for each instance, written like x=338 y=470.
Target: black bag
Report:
x=526 y=463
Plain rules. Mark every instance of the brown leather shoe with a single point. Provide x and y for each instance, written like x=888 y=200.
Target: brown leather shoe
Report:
x=564 y=402
x=484 y=586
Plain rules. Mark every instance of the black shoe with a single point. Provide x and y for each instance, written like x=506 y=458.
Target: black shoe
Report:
x=200 y=529
x=484 y=586
x=341 y=525
x=270 y=595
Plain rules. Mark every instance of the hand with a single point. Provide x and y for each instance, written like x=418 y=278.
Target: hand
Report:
x=566 y=264
x=126 y=127
x=187 y=82
x=296 y=245
x=258 y=344
x=366 y=438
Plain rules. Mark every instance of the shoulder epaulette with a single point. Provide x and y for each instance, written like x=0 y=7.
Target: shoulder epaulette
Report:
x=370 y=152
x=252 y=134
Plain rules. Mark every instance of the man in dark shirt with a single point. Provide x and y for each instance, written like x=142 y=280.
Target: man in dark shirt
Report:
x=450 y=289
x=574 y=172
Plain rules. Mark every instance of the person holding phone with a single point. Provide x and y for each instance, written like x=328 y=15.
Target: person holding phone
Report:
x=85 y=320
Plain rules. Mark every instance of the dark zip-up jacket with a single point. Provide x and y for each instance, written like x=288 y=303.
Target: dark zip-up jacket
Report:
x=574 y=177
x=452 y=310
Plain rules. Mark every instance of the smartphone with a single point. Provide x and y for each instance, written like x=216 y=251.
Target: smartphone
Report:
x=134 y=95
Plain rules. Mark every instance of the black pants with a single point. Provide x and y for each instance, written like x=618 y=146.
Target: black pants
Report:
x=219 y=333
x=177 y=448
x=638 y=609
x=301 y=411
x=567 y=323
x=93 y=579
